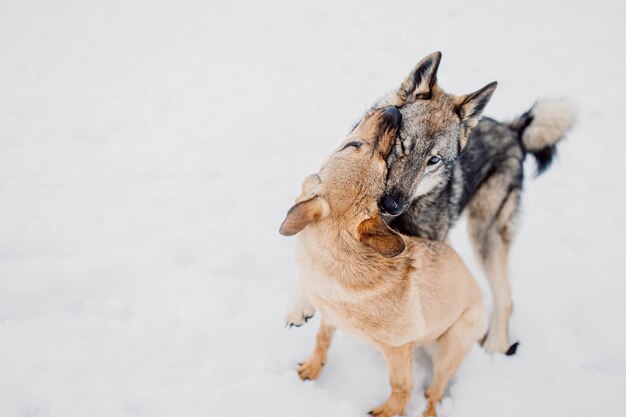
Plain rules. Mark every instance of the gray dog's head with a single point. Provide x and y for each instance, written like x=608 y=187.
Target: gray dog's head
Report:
x=435 y=128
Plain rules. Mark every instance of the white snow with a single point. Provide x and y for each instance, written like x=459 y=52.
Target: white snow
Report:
x=149 y=151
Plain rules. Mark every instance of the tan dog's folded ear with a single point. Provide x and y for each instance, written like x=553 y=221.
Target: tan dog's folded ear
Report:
x=377 y=235
x=309 y=188
x=303 y=213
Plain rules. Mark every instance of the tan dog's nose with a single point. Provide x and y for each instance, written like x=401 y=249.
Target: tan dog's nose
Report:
x=390 y=121
x=392 y=117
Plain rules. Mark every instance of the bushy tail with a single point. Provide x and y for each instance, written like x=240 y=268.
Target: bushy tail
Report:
x=542 y=127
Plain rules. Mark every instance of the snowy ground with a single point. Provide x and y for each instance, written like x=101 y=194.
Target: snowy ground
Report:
x=149 y=151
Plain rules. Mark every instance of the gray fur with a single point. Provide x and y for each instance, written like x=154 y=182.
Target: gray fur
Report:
x=481 y=169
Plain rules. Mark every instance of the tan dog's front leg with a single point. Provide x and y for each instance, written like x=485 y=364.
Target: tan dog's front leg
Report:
x=400 y=364
x=311 y=368
x=300 y=309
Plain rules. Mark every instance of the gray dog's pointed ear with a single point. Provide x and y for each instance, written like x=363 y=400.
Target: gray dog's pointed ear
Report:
x=470 y=109
x=421 y=81
x=378 y=236
x=302 y=214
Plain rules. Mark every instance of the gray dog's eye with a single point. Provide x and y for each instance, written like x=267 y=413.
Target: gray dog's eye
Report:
x=434 y=160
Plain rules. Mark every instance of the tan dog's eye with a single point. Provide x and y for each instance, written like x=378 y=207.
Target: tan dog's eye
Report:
x=353 y=144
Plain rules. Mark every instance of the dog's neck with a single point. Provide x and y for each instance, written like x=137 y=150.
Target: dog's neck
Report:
x=333 y=249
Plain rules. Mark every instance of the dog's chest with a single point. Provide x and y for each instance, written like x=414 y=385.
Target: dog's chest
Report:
x=376 y=315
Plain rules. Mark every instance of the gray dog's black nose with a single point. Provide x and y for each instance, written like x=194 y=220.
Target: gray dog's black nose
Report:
x=389 y=205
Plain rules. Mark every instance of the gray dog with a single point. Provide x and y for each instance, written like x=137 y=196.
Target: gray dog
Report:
x=445 y=162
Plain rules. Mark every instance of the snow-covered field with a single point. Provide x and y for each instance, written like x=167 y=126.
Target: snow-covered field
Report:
x=149 y=151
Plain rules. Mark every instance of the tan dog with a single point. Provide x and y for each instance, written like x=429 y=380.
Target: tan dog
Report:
x=392 y=291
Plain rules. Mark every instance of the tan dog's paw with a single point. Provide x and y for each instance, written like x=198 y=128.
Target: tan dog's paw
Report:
x=299 y=313
x=298 y=318
x=433 y=397
x=310 y=369
x=393 y=407
x=430 y=410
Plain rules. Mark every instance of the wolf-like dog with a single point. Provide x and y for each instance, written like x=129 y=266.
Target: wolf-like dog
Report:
x=447 y=159
x=390 y=290
x=440 y=167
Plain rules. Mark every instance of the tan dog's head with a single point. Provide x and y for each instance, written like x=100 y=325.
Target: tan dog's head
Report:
x=344 y=194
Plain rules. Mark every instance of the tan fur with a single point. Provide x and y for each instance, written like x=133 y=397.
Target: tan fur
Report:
x=311 y=368
x=300 y=215
x=377 y=235
x=423 y=296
